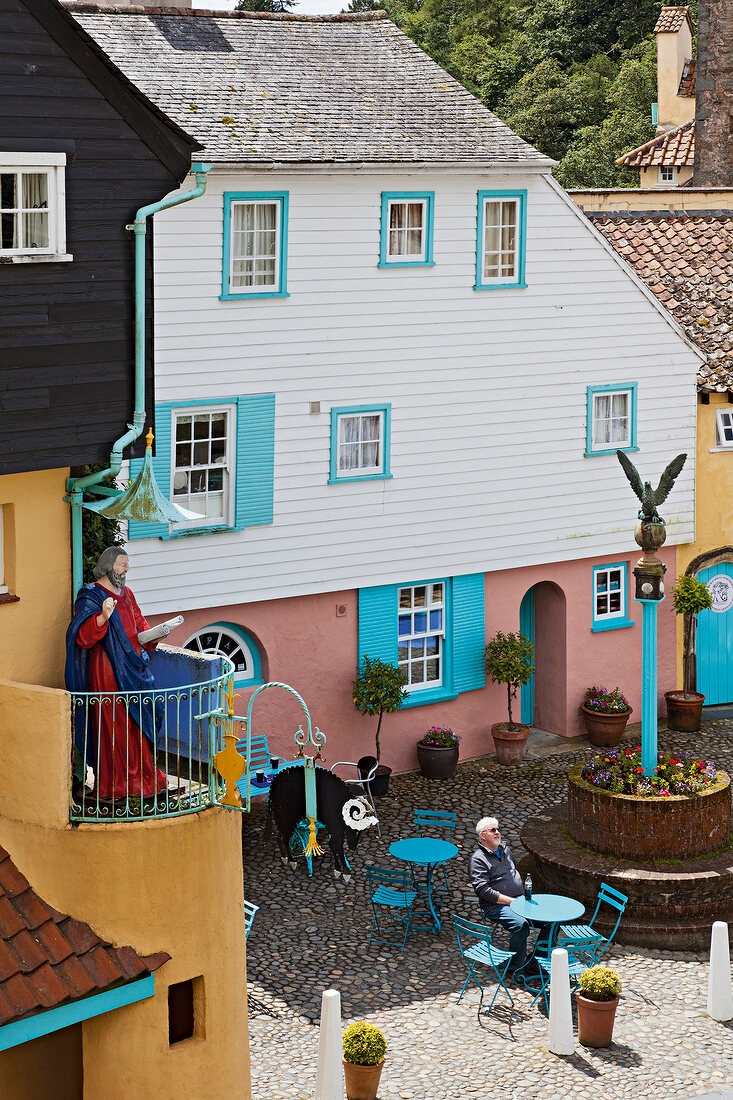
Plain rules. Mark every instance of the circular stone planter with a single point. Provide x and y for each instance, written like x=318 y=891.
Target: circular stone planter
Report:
x=437 y=761
x=605 y=730
x=674 y=827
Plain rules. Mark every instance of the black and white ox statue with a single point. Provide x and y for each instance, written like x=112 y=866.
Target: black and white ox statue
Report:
x=344 y=814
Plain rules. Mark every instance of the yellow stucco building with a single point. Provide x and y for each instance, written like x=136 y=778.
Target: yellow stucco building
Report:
x=171 y=885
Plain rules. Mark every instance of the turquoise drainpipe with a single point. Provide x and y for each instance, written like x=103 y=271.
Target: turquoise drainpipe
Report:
x=76 y=486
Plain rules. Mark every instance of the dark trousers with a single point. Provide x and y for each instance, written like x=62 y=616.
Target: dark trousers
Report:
x=517 y=927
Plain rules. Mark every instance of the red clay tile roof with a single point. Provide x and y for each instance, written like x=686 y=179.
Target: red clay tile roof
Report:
x=48 y=959
x=675 y=147
x=671 y=19
x=685 y=259
x=687 y=80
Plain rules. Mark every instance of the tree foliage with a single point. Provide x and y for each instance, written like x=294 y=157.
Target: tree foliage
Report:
x=379 y=688
x=509 y=661
x=265 y=5
x=575 y=78
x=97 y=532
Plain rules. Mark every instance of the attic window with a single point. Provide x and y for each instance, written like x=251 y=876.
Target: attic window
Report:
x=724 y=428
x=32 y=207
x=668 y=174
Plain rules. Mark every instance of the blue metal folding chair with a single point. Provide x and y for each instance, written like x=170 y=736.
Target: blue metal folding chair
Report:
x=249 y=915
x=392 y=901
x=474 y=943
x=585 y=939
x=433 y=823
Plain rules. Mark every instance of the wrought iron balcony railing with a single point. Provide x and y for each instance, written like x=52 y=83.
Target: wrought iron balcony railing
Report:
x=142 y=756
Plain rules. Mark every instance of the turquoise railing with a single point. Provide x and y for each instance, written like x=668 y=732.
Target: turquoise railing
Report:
x=181 y=777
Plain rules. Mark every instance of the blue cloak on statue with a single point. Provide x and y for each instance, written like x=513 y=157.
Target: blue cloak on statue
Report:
x=131 y=670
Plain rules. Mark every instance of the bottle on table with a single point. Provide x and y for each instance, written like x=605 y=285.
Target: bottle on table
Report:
x=528 y=887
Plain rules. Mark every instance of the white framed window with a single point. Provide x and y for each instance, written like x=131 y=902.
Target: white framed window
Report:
x=667 y=173
x=611 y=419
x=255 y=244
x=203 y=463
x=32 y=206
x=360 y=443
x=222 y=640
x=421 y=634
x=3 y=585
x=724 y=428
x=407 y=229
x=501 y=235
x=610 y=596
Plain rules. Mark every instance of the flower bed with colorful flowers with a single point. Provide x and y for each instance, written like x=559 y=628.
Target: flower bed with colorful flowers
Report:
x=441 y=737
x=620 y=772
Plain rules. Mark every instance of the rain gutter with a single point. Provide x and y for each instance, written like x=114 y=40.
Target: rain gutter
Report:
x=76 y=486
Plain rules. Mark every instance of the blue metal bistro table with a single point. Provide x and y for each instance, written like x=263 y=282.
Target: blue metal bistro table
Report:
x=544 y=909
x=428 y=852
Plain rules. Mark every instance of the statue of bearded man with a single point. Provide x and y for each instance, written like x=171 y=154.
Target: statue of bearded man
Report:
x=114 y=734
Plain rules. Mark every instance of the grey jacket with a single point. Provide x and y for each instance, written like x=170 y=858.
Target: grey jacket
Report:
x=491 y=876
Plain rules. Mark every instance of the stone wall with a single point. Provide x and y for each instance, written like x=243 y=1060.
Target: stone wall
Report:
x=648 y=828
x=714 y=95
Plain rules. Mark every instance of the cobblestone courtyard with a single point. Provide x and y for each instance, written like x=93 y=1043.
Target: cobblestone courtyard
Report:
x=311 y=935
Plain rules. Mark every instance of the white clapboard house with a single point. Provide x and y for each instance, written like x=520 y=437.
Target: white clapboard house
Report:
x=393 y=364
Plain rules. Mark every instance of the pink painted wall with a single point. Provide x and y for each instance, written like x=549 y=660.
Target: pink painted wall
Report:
x=304 y=644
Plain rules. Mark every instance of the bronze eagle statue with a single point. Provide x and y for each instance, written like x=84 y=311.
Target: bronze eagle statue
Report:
x=651 y=498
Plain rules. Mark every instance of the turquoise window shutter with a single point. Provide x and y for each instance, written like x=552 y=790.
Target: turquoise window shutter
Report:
x=378 y=622
x=469 y=632
x=161 y=470
x=255 y=459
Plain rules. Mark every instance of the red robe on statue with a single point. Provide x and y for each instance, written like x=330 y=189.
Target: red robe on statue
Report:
x=126 y=761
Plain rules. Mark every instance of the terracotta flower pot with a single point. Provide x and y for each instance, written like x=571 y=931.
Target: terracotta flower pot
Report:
x=605 y=729
x=595 y=1021
x=509 y=744
x=362 y=1082
x=684 y=710
x=437 y=761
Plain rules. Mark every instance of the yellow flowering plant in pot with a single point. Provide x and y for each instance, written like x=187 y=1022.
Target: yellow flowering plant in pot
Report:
x=364 y=1048
x=597 y=998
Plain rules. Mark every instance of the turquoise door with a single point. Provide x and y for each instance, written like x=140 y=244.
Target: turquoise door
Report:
x=526 y=625
x=715 y=636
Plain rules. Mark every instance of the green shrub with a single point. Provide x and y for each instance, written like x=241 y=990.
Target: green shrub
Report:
x=600 y=983
x=363 y=1044
x=690 y=596
x=509 y=661
x=379 y=688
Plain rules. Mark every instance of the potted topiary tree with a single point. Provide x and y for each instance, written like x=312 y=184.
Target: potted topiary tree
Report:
x=509 y=661
x=364 y=1047
x=379 y=688
x=684 y=708
x=597 y=998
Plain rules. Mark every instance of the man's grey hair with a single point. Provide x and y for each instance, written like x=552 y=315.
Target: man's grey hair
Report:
x=107 y=561
x=486 y=823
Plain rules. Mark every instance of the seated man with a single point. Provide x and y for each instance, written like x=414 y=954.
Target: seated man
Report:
x=495 y=878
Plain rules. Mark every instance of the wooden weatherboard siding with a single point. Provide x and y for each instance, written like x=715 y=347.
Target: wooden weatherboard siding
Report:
x=66 y=329
x=487 y=390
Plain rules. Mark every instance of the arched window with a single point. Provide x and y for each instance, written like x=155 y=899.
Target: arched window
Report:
x=225 y=640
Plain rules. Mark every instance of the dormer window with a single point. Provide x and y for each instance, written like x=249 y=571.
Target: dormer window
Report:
x=668 y=175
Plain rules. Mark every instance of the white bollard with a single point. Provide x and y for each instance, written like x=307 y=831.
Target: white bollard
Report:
x=720 y=994
x=561 y=1017
x=330 y=1074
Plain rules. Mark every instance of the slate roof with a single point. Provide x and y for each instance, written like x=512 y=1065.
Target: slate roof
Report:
x=48 y=959
x=671 y=19
x=676 y=147
x=257 y=87
x=687 y=80
x=685 y=259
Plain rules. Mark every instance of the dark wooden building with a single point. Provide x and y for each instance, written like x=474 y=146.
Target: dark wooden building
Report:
x=81 y=150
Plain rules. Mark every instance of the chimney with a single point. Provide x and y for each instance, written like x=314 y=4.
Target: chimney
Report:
x=674 y=48
x=714 y=95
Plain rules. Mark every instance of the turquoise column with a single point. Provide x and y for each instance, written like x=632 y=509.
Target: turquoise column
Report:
x=649 y=686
